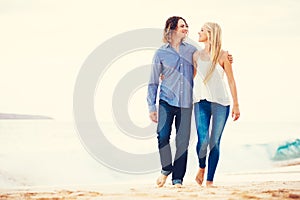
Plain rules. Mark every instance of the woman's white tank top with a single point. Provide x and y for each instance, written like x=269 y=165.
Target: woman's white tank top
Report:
x=215 y=90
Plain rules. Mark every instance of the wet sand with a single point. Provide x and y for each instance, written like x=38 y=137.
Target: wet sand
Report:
x=146 y=191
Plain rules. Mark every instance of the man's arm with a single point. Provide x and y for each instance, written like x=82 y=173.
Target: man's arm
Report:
x=156 y=69
x=230 y=58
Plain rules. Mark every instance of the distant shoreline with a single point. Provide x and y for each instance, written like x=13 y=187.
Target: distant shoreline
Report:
x=4 y=116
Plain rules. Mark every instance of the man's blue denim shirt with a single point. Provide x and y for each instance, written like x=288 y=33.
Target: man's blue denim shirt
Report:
x=176 y=88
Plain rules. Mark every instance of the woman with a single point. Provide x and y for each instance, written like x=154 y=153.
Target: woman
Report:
x=211 y=99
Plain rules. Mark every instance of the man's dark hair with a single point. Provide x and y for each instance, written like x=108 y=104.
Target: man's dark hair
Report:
x=171 y=25
x=172 y=22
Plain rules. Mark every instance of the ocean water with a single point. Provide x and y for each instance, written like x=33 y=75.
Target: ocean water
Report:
x=51 y=153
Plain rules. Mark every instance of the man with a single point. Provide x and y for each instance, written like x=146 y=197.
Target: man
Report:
x=174 y=62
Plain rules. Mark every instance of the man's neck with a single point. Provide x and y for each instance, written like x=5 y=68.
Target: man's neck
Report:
x=175 y=43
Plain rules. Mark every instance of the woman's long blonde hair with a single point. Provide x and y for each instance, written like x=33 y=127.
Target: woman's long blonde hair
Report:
x=214 y=34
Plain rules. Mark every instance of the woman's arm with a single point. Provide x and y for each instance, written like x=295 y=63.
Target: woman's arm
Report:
x=225 y=63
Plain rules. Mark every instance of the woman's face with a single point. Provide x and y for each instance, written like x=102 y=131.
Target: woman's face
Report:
x=203 y=35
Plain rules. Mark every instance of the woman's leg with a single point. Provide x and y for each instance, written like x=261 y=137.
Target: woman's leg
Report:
x=202 y=111
x=219 y=117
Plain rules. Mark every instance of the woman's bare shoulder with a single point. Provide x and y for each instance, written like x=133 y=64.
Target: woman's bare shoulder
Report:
x=196 y=55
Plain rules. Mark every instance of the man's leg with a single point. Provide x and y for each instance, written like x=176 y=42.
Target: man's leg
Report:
x=164 y=128
x=183 y=129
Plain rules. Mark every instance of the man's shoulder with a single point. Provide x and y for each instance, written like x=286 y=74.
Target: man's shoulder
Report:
x=162 y=49
x=190 y=46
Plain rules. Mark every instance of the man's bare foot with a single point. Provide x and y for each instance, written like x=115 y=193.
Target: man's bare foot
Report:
x=200 y=176
x=161 y=180
x=178 y=185
x=210 y=184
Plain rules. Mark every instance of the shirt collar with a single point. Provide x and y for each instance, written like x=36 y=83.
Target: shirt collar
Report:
x=168 y=44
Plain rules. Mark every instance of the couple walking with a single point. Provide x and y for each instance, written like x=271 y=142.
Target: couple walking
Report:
x=189 y=78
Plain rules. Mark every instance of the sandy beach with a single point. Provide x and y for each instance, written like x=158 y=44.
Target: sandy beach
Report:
x=145 y=191
x=53 y=165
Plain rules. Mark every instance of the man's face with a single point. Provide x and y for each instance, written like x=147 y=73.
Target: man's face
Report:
x=181 y=29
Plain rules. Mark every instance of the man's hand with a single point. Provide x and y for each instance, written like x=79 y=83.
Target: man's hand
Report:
x=230 y=58
x=153 y=116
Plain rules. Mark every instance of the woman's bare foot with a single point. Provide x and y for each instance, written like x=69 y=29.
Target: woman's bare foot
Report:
x=210 y=184
x=200 y=176
x=161 y=180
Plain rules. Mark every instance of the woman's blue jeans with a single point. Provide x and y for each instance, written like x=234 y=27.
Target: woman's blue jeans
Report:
x=210 y=122
x=182 y=116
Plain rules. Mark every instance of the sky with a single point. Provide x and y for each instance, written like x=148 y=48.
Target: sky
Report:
x=44 y=44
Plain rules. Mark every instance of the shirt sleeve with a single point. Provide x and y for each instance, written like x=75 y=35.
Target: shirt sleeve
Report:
x=156 y=69
x=194 y=49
